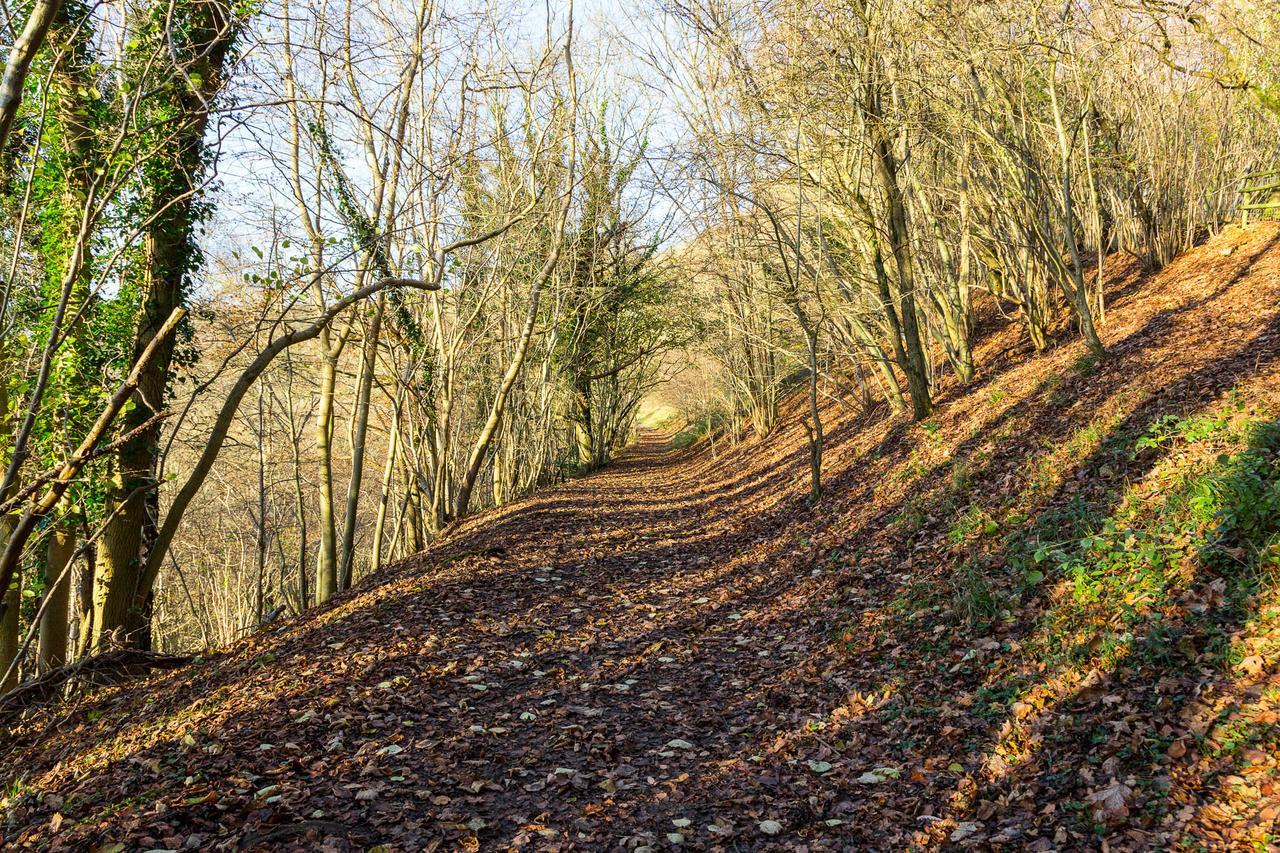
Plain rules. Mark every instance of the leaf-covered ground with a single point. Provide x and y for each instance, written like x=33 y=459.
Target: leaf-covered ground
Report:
x=1046 y=619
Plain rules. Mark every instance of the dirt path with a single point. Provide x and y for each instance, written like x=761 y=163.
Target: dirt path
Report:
x=609 y=663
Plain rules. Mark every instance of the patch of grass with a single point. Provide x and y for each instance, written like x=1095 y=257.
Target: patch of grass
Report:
x=913 y=598
x=1239 y=501
x=18 y=790
x=932 y=430
x=975 y=522
x=973 y=598
x=1086 y=439
x=1086 y=365
x=696 y=431
x=1168 y=429
x=1210 y=537
x=913 y=470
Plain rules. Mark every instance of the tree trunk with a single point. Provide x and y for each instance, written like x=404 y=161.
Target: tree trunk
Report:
x=581 y=418
x=84 y=603
x=327 y=565
x=361 y=418
x=115 y=619
x=815 y=414
x=57 y=586
x=18 y=63
x=120 y=602
x=9 y=620
x=261 y=537
x=498 y=408
x=1076 y=291
x=384 y=493
x=299 y=500
x=915 y=363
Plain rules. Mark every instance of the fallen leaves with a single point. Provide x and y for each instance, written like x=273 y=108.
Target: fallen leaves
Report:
x=684 y=652
x=1112 y=801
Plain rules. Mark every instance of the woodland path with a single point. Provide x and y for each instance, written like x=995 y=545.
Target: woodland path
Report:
x=611 y=664
x=626 y=667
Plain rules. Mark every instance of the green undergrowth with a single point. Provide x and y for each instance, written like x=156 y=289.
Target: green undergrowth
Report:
x=1179 y=564
x=1111 y=527
x=1141 y=551
x=698 y=430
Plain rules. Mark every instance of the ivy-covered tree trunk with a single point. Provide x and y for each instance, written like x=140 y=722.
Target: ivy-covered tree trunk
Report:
x=120 y=606
x=581 y=418
x=171 y=198
x=68 y=176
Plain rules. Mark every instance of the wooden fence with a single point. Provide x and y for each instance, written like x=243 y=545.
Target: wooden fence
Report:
x=1259 y=196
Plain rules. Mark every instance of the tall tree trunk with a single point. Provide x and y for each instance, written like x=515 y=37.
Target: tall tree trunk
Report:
x=121 y=605
x=361 y=423
x=1076 y=290
x=581 y=418
x=327 y=559
x=121 y=602
x=497 y=409
x=18 y=63
x=299 y=500
x=261 y=537
x=384 y=493
x=84 y=603
x=915 y=363
x=814 y=429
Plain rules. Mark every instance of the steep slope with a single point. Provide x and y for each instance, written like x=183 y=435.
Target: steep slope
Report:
x=1044 y=619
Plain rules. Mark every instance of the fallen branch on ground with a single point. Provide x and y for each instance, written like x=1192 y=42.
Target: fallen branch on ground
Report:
x=107 y=668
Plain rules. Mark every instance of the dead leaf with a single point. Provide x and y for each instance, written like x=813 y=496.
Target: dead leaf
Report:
x=1112 y=801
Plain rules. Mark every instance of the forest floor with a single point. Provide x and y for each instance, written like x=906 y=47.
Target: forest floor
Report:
x=1046 y=618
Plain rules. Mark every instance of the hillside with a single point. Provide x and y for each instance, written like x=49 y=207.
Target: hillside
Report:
x=1047 y=618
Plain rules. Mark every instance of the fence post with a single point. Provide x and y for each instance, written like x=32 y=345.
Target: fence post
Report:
x=1257 y=194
